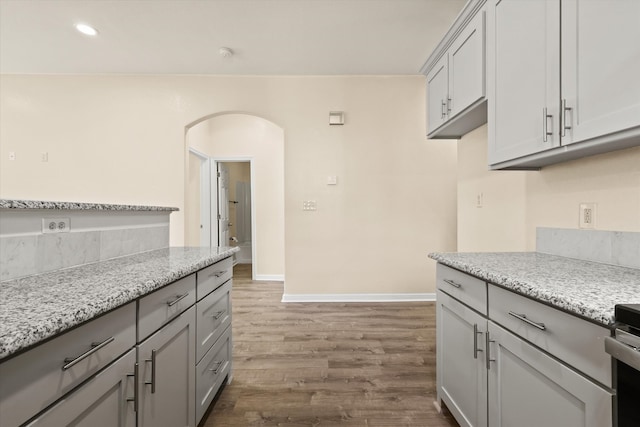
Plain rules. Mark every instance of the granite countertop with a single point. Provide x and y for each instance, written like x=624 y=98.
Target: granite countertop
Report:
x=588 y=289
x=41 y=306
x=38 y=204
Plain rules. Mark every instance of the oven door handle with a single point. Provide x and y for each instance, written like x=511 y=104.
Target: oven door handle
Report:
x=623 y=352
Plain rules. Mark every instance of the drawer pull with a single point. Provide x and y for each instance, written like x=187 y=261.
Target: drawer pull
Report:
x=134 y=399
x=218 y=273
x=152 y=383
x=487 y=353
x=217 y=368
x=217 y=315
x=72 y=361
x=475 y=341
x=177 y=300
x=523 y=317
x=452 y=283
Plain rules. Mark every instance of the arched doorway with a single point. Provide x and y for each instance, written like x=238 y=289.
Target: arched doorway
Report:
x=237 y=137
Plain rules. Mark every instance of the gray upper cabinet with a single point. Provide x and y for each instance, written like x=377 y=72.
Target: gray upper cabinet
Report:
x=562 y=80
x=455 y=71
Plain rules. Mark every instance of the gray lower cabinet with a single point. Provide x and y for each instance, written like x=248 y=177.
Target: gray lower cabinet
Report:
x=134 y=366
x=461 y=369
x=488 y=375
x=528 y=388
x=166 y=383
x=107 y=400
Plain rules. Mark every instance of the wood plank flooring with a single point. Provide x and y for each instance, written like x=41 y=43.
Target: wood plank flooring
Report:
x=327 y=364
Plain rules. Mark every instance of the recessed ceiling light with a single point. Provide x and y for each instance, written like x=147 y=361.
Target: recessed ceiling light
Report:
x=86 y=29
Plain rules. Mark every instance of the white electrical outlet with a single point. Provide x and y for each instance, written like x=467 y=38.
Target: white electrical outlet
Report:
x=55 y=225
x=479 y=200
x=587 y=215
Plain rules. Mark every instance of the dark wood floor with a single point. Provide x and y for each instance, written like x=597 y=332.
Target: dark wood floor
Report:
x=327 y=364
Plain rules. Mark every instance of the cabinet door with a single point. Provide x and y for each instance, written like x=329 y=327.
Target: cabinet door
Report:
x=523 y=68
x=166 y=386
x=437 y=94
x=101 y=402
x=600 y=67
x=529 y=388
x=461 y=371
x=466 y=66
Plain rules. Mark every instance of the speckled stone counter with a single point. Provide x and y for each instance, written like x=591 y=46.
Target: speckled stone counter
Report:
x=38 y=307
x=38 y=204
x=585 y=288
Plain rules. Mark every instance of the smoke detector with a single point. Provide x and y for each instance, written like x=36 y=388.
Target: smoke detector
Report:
x=225 y=52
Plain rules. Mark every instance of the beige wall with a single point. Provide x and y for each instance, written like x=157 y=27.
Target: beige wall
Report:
x=120 y=139
x=499 y=224
x=192 y=201
x=515 y=203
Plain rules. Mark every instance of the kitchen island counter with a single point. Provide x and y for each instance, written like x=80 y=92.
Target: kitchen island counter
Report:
x=38 y=307
x=584 y=288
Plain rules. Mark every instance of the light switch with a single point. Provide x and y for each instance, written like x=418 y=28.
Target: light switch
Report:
x=309 y=205
x=332 y=180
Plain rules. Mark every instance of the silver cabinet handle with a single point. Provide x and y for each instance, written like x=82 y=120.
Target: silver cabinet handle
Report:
x=177 y=300
x=152 y=383
x=72 y=361
x=217 y=273
x=217 y=315
x=523 y=317
x=475 y=341
x=545 y=130
x=487 y=353
x=452 y=283
x=134 y=399
x=217 y=368
x=448 y=106
x=443 y=109
x=565 y=128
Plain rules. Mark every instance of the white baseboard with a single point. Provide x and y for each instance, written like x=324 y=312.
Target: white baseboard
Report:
x=270 y=277
x=358 y=297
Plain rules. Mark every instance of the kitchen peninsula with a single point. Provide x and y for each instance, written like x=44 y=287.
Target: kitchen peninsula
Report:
x=96 y=340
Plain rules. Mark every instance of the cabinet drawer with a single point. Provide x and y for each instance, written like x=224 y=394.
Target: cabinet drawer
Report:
x=213 y=276
x=211 y=372
x=575 y=341
x=34 y=380
x=463 y=287
x=159 y=307
x=101 y=401
x=213 y=317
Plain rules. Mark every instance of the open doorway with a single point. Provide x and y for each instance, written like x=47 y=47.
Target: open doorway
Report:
x=234 y=208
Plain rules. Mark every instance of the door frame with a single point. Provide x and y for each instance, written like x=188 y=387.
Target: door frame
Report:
x=214 y=202
x=206 y=207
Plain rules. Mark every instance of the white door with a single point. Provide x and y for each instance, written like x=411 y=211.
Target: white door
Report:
x=527 y=388
x=223 y=205
x=523 y=69
x=600 y=67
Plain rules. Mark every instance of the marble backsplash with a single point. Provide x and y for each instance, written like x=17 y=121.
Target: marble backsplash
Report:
x=609 y=247
x=32 y=254
x=97 y=232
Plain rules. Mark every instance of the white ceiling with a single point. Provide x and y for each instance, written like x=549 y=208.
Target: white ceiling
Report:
x=289 y=37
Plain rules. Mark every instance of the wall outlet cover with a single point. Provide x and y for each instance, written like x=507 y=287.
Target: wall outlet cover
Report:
x=587 y=219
